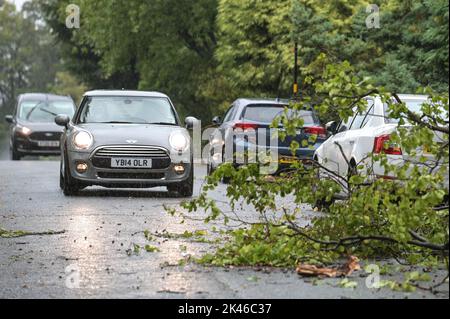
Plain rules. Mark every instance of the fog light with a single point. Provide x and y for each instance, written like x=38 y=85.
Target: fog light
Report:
x=179 y=169
x=82 y=167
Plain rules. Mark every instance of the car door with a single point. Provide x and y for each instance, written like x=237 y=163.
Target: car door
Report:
x=350 y=141
x=340 y=147
x=220 y=134
x=331 y=153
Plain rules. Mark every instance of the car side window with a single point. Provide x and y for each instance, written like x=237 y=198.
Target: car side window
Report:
x=344 y=126
x=356 y=124
x=362 y=117
x=369 y=114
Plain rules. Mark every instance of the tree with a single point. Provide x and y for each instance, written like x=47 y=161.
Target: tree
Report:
x=16 y=47
x=80 y=58
x=405 y=219
x=151 y=46
x=255 y=47
x=29 y=58
x=66 y=84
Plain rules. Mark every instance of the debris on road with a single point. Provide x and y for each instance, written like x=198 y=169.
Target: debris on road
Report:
x=347 y=269
x=20 y=233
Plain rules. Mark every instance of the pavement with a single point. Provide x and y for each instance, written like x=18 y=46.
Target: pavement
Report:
x=95 y=257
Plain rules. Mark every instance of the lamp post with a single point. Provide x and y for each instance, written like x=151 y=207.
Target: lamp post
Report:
x=295 y=87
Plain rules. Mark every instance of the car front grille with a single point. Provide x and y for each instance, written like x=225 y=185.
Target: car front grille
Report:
x=160 y=157
x=45 y=136
x=126 y=175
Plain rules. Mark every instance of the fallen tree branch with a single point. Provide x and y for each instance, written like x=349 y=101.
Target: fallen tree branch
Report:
x=19 y=233
x=418 y=120
x=357 y=239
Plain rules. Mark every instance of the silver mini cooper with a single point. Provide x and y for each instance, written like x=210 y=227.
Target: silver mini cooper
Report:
x=128 y=139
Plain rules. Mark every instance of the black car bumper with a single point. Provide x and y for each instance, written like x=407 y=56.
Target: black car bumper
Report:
x=39 y=145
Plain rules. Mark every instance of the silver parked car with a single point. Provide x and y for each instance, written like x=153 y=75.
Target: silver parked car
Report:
x=126 y=139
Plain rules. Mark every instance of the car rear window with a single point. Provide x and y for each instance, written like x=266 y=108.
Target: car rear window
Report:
x=412 y=105
x=267 y=113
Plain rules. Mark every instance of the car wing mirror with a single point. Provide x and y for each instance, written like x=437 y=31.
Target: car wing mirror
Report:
x=62 y=120
x=9 y=119
x=216 y=120
x=190 y=122
x=332 y=127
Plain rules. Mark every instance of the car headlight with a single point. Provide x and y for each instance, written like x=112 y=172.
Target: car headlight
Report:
x=178 y=141
x=83 y=140
x=23 y=130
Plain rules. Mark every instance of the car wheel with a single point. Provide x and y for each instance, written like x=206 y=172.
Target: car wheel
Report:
x=322 y=204
x=69 y=184
x=227 y=179
x=61 y=181
x=352 y=169
x=14 y=155
x=184 y=189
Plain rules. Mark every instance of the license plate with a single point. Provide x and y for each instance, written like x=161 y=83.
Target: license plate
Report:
x=287 y=160
x=124 y=162
x=48 y=143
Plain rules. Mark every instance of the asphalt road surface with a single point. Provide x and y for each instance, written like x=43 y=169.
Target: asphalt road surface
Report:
x=95 y=257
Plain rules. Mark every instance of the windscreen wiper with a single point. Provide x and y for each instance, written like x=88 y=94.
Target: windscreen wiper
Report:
x=119 y=122
x=49 y=112
x=32 y=110
x=163 y=123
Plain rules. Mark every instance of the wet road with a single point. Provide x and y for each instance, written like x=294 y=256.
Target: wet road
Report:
x=102 y=225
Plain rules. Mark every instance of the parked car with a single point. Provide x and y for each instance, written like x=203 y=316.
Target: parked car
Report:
x=32 y=127
x=127 y=139
x=352 y=142
x=249 y=116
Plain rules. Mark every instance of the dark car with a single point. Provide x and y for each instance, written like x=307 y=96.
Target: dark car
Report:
x=243 y=123
x=32 y=127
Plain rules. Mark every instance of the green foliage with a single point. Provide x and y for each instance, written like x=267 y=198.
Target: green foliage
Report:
x=152 y=45
x=66 y=84
x=254 y=47
x=5 y=233
x=224 y=49
x=29 y=58
x=151 y=249
x=379 y=218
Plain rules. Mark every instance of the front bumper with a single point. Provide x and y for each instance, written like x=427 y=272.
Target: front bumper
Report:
x=126 y=177
x=29 y=146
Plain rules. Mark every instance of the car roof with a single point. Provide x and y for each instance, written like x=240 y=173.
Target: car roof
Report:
x=124 y=93
x=248 y=101
x=43 y=96
x=413 y=97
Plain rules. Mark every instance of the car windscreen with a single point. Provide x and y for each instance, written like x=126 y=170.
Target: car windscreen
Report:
x=267 y=113
x=44 y=111
x=133 y=110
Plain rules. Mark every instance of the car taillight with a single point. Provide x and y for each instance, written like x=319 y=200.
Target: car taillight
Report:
x=246 y=126
x=381 y=144
x=316 y=130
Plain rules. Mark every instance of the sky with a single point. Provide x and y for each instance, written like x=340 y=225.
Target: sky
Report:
x=18 y=3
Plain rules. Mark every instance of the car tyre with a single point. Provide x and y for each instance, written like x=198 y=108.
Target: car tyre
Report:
x=14 y=155
x=185 y=188
x=67 y=183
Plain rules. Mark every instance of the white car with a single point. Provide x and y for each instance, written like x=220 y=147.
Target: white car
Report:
x=355 y=140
